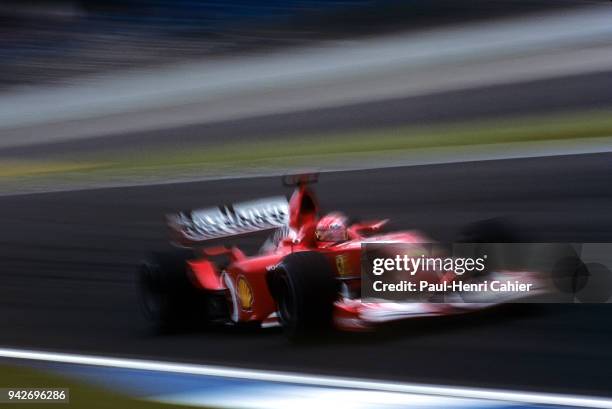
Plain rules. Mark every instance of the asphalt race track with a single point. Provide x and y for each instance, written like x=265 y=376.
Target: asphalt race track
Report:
x=67 y=263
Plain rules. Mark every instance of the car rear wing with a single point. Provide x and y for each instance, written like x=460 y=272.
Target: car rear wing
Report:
x=197 y=226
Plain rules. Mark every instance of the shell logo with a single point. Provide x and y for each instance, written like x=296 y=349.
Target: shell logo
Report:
x=245 y=294
x=342 y=265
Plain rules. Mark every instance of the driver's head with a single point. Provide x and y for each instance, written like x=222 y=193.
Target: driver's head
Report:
x=332 y=227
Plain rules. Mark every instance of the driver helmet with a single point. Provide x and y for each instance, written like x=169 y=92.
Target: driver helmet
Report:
x=332 y=227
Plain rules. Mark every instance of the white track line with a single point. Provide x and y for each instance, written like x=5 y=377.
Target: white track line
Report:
x=303 y=379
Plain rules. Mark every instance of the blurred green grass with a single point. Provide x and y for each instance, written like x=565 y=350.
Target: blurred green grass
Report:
x=321 y=149
x=82 y=396
x=396 y=140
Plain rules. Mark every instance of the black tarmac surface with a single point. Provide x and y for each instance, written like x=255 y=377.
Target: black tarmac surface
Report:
x=67 y=263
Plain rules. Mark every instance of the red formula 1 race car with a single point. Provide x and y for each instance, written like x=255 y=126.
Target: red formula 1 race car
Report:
x=306 y=277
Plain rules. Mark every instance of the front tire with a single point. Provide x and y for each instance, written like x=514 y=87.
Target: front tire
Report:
x=305 y=289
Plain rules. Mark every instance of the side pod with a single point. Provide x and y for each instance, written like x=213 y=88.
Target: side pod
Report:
x=206 y=275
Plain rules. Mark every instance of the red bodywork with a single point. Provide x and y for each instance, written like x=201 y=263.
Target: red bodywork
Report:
x=243 y=279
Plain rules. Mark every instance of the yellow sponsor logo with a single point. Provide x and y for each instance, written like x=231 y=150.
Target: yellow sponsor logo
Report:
x=245 y=294
x=342 y=265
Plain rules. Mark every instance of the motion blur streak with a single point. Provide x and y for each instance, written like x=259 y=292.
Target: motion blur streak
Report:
x=323 y=381
x=323 y=76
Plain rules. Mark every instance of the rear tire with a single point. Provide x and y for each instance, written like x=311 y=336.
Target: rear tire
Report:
x=496 y=230
x=493 y=234
x=168 y=298
x=305 y=289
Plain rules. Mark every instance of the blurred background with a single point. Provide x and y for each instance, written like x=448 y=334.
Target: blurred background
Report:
x=129 y=91
x=51 y=41
x=431 y=113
